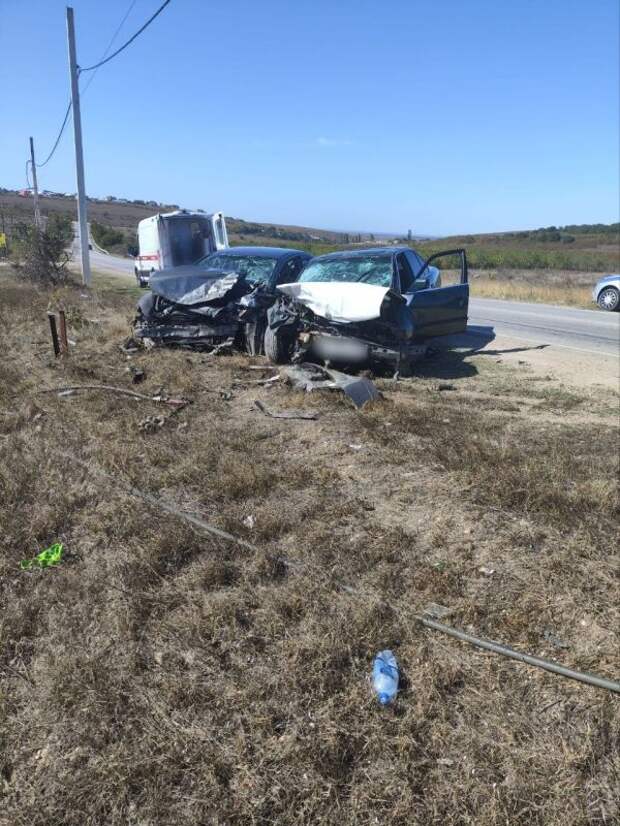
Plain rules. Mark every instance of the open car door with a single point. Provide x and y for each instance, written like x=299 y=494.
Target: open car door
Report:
x=219 y=235
x=439 y=311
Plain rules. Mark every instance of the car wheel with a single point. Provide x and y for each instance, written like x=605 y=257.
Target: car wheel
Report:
x=278 y=346
x=609 y=299
x=254 y=333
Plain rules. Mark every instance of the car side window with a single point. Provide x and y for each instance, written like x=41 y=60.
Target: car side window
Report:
x=290 y=270
x=405 y=273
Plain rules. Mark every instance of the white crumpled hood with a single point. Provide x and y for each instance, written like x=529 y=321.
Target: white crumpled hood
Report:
x=341 y=301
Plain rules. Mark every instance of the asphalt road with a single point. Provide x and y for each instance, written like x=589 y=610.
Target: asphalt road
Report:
x=595 y=332
x=587 y=331
x=99 y=260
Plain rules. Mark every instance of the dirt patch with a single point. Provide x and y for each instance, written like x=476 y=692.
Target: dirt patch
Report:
x=161 y=675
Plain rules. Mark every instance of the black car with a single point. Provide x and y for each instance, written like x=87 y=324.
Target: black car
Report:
x=223 y=296
x=376 y=305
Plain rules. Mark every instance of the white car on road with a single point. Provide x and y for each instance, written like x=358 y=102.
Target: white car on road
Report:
x=606 y=293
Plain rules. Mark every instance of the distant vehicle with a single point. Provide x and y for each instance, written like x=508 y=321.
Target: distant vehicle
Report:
x=374 y=305
x=177 y=238
x=222 y=296
x=606 y=293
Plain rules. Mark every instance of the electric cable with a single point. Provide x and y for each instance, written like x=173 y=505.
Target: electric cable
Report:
x=131 y=39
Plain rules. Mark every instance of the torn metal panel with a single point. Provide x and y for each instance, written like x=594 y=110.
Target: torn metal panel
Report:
x=312 y=377
x=190 y=286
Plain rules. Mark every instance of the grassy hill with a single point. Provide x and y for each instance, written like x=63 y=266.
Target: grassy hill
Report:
x=573 y=248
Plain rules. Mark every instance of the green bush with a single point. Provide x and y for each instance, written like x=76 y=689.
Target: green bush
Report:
x=41 y=255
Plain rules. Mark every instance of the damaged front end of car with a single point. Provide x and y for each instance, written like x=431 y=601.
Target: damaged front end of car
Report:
x=200 y=311
x=371 y=325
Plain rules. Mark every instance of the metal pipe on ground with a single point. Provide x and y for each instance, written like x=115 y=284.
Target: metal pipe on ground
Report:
x=506 y=651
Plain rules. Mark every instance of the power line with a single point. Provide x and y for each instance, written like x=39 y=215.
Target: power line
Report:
x=131 y=39
x=109 y=46
x=62 y=129
x=66 y=118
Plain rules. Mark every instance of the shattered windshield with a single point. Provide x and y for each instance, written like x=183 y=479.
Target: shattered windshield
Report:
x=371 y=269
x=255 y=268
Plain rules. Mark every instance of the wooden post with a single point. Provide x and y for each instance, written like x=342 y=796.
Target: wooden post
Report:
x=63 y=332
x=55 y=342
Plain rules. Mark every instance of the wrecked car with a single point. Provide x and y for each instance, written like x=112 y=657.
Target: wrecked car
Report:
x=374 y=305
x=222 y=298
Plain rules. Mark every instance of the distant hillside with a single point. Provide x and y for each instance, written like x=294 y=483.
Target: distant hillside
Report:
x=585 y=247
x=125 y=216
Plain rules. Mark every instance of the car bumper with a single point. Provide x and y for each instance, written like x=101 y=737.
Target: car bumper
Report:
x=349 y=350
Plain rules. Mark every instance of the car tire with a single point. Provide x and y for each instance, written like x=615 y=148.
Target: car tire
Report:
x=254 y=334
x=609 y=299
x=278 y=345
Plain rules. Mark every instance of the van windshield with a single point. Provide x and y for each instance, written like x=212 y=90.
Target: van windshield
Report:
x=371 y=269
x=255 y=268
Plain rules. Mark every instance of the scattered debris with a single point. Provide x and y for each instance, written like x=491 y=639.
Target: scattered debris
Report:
x=270 y=380
x=50 y=556
x=137 y=374
x=249 y=521
x=356 y=447
x=226 y=395
x=311 y=377
x=444 y=385
x=225 y=348
x=151 y=424
x=131 y=345
x=287 y=414
x=437 y=611
x=159 y=398
x=486 y=571
x=553 y=640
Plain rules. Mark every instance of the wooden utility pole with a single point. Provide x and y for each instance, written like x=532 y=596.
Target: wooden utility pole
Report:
x=35 y=188
x=79 y=157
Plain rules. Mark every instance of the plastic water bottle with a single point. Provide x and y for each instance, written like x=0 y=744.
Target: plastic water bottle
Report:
x=385 y=677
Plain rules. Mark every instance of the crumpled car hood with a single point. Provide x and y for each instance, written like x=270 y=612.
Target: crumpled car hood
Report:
x=191 y=285
x=344 y=302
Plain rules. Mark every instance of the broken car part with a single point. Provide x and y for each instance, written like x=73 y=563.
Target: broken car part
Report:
x=311 y=377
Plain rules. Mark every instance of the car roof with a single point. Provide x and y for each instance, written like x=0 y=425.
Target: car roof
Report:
x=386 y=251
x=261 y=252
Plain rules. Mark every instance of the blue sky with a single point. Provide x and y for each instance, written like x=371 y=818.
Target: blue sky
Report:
x=444 y=116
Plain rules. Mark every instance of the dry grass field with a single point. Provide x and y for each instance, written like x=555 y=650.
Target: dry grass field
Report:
x=563 y=287
x=160 y=675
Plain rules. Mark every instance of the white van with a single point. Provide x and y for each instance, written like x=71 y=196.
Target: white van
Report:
x=171 y=239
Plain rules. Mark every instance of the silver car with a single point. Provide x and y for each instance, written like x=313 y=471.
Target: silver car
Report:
x=606 y=293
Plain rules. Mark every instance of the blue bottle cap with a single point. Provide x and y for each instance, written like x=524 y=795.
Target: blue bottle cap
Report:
x=384 y=698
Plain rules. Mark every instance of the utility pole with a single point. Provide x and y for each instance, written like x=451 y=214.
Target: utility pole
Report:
x=35 y=188
x=79 y=157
